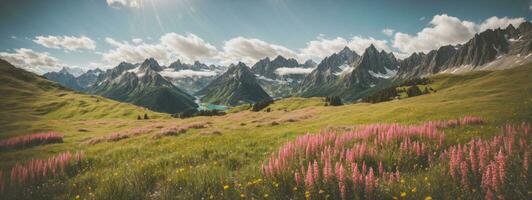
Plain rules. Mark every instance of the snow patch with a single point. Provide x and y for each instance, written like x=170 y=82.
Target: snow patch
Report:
x=292 y=70
x=187 y=73
x=389 y=73
x=344 y=69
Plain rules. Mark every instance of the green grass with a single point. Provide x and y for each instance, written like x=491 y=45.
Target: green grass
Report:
x=198 y=164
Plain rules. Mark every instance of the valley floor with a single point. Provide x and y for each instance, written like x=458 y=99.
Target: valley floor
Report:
x=221 y=157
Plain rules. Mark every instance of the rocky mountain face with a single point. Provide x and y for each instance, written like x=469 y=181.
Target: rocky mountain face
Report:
x=89 y=78
x=321 y=81
x=237 y=85
x=142 y=85
x=267 y=68
x=490 y=49
x=280 y=76
x=65 y=78
x=191 y=77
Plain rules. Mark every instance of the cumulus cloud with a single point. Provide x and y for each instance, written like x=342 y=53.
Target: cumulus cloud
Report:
x=388 y=31
x=134 y=53
x=190 y=47
x=187 y=73
x=322 y=47
x=124 y=3
x=137 y=40
x=444 y=30
x=495 y=22
x=70 y=43
x=359 y=44
x=296 y=70
x=250 y=50
x=32 y=61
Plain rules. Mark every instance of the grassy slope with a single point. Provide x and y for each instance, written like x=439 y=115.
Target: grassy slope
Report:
x=248 y=138
x=31 y=103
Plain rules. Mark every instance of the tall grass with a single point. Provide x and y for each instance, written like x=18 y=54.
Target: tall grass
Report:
x=31 y=140
x=366 y=163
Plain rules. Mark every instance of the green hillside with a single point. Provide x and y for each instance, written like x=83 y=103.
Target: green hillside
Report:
x=220 y=156
x=29 y=101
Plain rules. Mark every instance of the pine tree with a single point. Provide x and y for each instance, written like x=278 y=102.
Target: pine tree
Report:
x=146 y=116
x=138 y=117
x=413 y=91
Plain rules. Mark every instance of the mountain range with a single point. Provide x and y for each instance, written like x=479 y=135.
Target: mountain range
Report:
x=236 y=86
x=143 y=85
x=345 y=73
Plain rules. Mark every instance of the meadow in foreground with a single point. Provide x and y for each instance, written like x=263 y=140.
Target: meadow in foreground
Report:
x=225 y=157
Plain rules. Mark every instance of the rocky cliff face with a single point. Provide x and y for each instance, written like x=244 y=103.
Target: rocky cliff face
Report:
x=143 y=86
x=236 y=86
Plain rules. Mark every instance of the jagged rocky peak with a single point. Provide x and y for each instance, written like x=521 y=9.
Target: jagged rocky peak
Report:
x=309 y=64
x=483 y=48
x=239 y=70
x=177 y=65
x=376 y=61
x=151 y=64
x=524 y=27
x=512 y=32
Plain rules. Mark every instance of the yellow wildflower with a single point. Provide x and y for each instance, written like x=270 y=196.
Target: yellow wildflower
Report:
x=426 y=178
x=226 y=187
x=77 y=196
x=266 y=195
x=403 y=194
x=414 y=189
x=428 y=198
x=242 y=195
x=402 y=180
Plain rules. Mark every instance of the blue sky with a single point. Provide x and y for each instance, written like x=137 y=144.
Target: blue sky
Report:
x=100 y=33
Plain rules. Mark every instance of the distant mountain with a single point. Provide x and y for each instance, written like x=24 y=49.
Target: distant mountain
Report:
x=142 y=85
x=280 y=76
x=89 y=78
x=267 y=68
x=490 y=49
x=75 y=71
x=237 y=85
x=65 y=78
x=351 y=76
x=321 y=81
x=191 y=77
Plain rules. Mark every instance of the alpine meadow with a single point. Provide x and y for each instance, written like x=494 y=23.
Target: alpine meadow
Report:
x=265 y=99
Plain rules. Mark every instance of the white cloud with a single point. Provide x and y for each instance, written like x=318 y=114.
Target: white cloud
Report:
x=444 y=30
x=187 y=73
x=134 y=53
x=124 y=3
x=32 y=61
x=250 y=50
x=296 y=70
x=359 y=44
x=495 y=22
x=322 y=47
x=137 y=40
x=189 y=47
x=421 y=18
x=388 y=31
x=67 y=42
